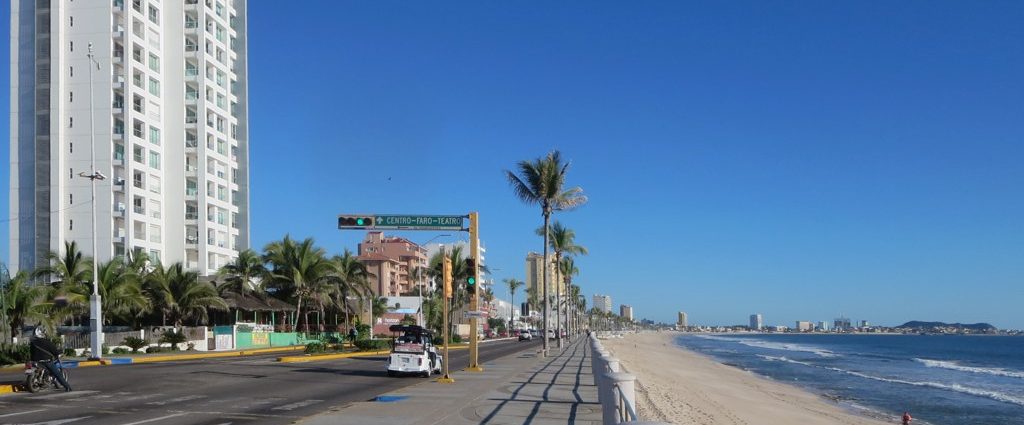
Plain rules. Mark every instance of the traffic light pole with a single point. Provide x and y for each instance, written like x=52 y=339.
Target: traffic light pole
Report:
x=446 y=295
x=474 y=298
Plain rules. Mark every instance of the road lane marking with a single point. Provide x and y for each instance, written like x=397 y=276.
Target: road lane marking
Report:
x=297 y=405
x=21 y=413
x=132 y=398
x=64 y=395
x=176 y=400
x=156 y=419
x=61 y=421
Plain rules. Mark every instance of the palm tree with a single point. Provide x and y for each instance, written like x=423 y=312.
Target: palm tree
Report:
x=242 y=276
x=66 y=272
x=563 y=242
x=184 y=298
x=120 y=289
x=459 y=274
x=351 y=280
x=542 y=182
x=298 y=271
x=23 y=302
x=513 y=284
x=567 y=269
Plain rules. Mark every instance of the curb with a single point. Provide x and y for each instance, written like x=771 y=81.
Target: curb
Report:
x=314 y=358
x=8 y=388
x=71 y=364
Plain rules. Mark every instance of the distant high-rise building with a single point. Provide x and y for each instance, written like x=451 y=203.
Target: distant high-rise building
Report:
x=842 y=324
x=626 y=312
x=682 y=321
x=864 y=324
x=603 y=303
x=168 y=111
x=756 y=322
x=535 y=274
x=804 y=326
x=823 y=326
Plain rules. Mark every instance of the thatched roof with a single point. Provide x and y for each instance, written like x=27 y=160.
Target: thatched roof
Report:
x=252 y=303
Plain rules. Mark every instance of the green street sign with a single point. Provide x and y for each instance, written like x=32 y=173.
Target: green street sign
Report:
x=402 y=222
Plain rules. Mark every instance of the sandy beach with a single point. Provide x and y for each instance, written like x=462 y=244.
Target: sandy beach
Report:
x=682 y=387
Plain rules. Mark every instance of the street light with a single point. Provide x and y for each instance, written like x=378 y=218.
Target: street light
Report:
x=95 y=306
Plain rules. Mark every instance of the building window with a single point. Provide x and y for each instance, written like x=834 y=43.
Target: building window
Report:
x=139 y=154
x=154 y=160
x=71 y=71
x=71 y=198
x=154 y=233
x=71 y=97
x=154 y=135
x=154 y=184
x=154 y=62
x=154 y=209
x=71 y=122
x=154 y=15
x=71 y=224
x=154 y=87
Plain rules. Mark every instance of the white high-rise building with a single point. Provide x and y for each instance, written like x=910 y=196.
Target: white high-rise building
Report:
x=603 y=303
x=756 y=322
x=170 y=122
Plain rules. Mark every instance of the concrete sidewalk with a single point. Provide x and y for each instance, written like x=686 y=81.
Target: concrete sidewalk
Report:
x=520 y=389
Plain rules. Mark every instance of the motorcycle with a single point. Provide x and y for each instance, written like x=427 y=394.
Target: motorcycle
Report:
x=37 y=378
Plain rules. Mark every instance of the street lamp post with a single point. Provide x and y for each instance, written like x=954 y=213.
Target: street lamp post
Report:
x=95 y=305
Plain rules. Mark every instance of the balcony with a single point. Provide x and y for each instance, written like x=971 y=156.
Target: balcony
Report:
x=119 y=184
x=192 y=240
x=118 y=7
x=118 y=33
x=119 y=210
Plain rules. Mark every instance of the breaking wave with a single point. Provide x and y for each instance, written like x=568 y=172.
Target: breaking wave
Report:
x=943 y=364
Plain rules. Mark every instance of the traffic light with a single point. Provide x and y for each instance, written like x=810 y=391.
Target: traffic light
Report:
x=355 y=222
x=471 y=276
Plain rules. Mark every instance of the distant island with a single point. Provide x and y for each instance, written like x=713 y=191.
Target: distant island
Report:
x=945 y=328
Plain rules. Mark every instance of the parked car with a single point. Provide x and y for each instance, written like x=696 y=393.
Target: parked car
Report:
x=525 y=336
x=534 y=333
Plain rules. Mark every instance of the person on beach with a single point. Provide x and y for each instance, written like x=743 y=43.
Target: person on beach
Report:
x=907 y=418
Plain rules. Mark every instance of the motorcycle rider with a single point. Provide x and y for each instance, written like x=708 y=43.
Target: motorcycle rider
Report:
x=44 y=353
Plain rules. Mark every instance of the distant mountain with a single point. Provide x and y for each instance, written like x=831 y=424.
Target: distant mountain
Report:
x=917 y=324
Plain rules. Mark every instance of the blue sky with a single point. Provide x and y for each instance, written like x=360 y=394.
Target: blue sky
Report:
x=796 y=159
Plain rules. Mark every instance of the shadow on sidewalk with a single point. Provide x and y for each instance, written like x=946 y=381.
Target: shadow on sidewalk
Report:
x=555 y=385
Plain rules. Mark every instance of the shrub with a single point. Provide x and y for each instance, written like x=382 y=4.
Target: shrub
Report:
x=106 y=350
x=134 y=342
x=315 y=347
x=173 y=338
x=120 y=350
x=373 y=344
x=14 y=354
x=456 y=339
x=191 y=346
x=70 y=352
x=153 y=349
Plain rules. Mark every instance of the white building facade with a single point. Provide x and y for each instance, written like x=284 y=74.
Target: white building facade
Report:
x=603 y=303
x=169 y=107
x=756 y=322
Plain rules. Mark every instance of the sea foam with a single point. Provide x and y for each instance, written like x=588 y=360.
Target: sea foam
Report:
x=944 y=364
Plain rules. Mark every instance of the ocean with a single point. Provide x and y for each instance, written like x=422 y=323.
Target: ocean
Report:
x=940 y=380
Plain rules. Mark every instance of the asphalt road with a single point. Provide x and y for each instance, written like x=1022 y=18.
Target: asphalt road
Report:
x=248 y=390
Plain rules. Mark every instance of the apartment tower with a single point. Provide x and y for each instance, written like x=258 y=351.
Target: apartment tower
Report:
x=169 y=106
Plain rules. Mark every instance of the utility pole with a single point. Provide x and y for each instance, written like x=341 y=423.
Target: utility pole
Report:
x=474 y=298
x=95 y=305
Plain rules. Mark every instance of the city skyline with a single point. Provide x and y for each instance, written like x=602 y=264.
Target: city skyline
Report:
x=867 y=169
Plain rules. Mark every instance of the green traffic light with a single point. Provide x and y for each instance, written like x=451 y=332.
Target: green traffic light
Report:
x=471 y=281
x=359 y=222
